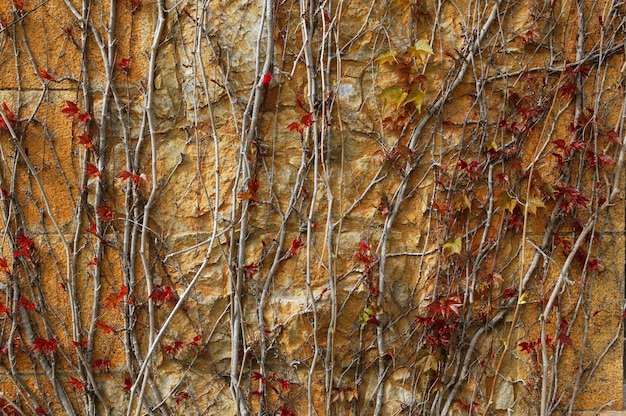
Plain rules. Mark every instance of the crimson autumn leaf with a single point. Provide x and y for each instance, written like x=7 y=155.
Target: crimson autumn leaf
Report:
x=180 y=396
x=45 y=346
x=174 y=348
x=43 y=73
x=10 y=116
x=250 y=270
x=284 y=384
x=567 y=91
x=92 y=262
x=284 y=411
x=101 y=364
x=92 y=229
x=307 y=119
x=128 y=384
x=267 y=78
x=115 y=298
x=296 y=244
x=80 y=344
x=70 y=110
x=583 y=71
x=40 y=411
x=134 y=178
x=4 y=265
x=105 y=213
x=23 y=302
x=124 y=65
x=24 y=246
x=295 y=126
x=85 y=140
x=105 y=328
x=4 y=310
x=93 y=171
x=196 y=341
x=161 y=294
x=613 y=137
x=76 y=383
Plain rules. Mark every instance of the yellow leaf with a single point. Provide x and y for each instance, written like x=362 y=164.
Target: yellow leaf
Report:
x=534 y=203
x=393 y=95
x=421 y=49
x=452 y=246
x=429 y=362
x=416 y=96
x=386 y=57
x=506 y=202
x=522 y=299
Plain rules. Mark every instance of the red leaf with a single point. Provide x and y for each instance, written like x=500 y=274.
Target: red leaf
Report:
x=295 y=246
x=114 y=299
x=134 y=178
x=196 y=340
x=106 y=329
x=124 y=65
x=80 y=344
x=45 y=346
x=295 y=126
x=4 y=265
x=4 y=310
x=43 y=73
x=77 y=384
x=284 y=411
x=613 y=137
x=85 y=140
x=24 y=246
x=93 y=171
x=161 y=294
x=284 y=384
x=30 y=306
x=128 y=384
x=267 y=78
x=105 y=213
x=70 y=110
x=174 y=348
x=92 y=262
x=10 y=116
x=605 y=160
x=40 y=411
x=83 y=117
x=92 y=229
x=100 y=364
x=565 y=340
x=568 y=90
x=180 y=396
x=250 y=270
x=307 y=119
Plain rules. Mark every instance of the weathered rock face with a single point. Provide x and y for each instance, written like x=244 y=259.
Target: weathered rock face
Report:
x=311 y=208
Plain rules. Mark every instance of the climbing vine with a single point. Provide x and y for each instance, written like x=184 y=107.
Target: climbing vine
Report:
x=305 y=207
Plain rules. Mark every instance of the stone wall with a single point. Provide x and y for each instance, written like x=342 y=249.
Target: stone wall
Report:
x=341 y=207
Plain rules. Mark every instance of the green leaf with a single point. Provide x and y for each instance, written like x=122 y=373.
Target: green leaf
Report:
x=452 y=246
x=386 y=57
x=393 y=95
x=420 y=50
x=416 y=96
